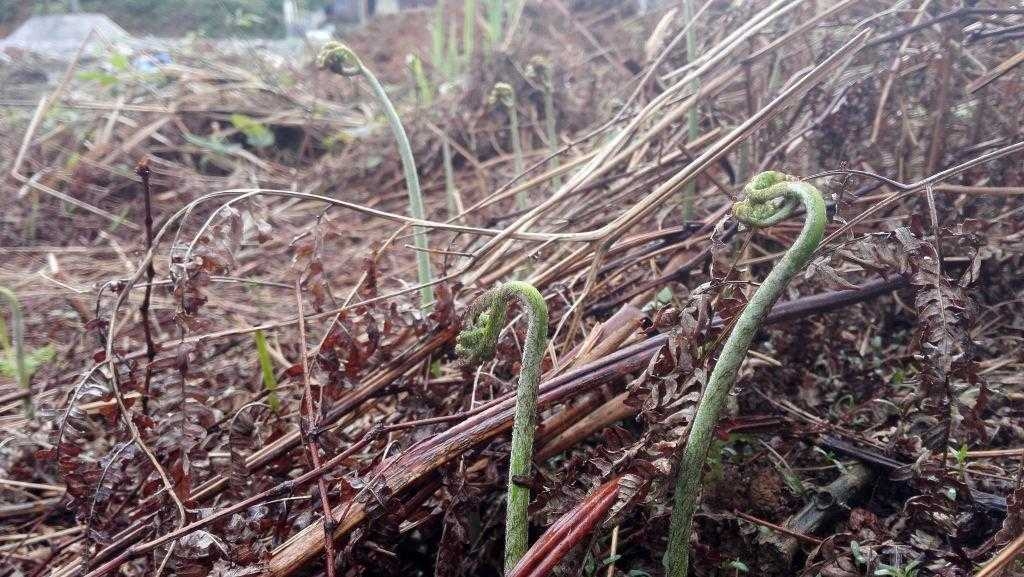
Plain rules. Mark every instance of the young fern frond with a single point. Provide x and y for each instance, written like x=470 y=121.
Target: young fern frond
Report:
x=692 y=117
x=341 y=60
x=451 y=193
x=452 y=60
x=468 y=30
x=424 y=92
x=495 y=14
x=437 y=47
x=21 y=370
x=771 y=197
x=539 y=71
x=476 y=343
x=505 y=96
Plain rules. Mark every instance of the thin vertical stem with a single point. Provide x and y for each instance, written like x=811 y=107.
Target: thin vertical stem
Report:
x=341 y=60
x=468 y=29
x=142 y=170
x=692 y=116
x=454 y=205
x=517 y=153
x=21 y=375
x=308 y=429
x=504 y=95
x=437 y=31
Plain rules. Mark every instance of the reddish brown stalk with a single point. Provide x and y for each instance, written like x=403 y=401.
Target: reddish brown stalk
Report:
x=1003 y=559
x=568 y=531
x=600 y=417
x=938 y=140
x=142 y=170
x=778 y=528
x=309 y=431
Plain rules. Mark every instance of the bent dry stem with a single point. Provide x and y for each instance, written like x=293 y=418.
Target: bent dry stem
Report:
x=770 y=198
x=341 y=60
x=476 y=343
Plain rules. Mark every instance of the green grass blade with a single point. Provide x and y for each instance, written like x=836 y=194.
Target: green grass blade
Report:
x=267 y=368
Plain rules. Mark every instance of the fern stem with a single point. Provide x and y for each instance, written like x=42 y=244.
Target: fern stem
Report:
x=539 y=71
x=771 y=198
x=692 y=116
x=449 y=178
x=341 y=60
x=424 y=92
x=21 y=375
x=453 y=64
x=437 y=48
x=468 y=29
x=504 y=95
x=477 y=342
x=495 y=22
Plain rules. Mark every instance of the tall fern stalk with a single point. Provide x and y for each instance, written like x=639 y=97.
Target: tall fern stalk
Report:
x=21 y=373
x=540 y=72
x=468 y=29
x=424 y=92
x=477 y=343
x=692 y=118
x=452 y=59
x=495 y=13
x=341 y=60
x=437 y=47
x=449 y=178
x=771 y=197
x=505 y=96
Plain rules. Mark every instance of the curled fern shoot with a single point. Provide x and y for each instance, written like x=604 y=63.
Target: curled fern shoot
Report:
x=341 y=60
x=771 y=197
x=476 y=343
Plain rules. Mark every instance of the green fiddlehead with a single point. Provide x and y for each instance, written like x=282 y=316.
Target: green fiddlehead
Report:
x=477 y=343
x=771 y=197
x=341 y=60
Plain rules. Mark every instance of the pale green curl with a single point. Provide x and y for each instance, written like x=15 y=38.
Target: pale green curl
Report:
x=476 y=343
x=771 y=197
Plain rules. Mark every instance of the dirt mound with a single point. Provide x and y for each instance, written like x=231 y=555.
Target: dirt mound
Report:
x=60 y=35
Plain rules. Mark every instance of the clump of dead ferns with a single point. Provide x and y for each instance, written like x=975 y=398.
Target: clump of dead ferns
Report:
x=638 y=167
